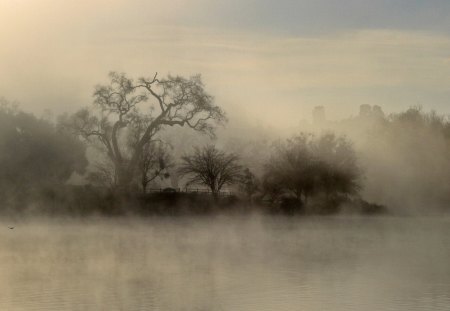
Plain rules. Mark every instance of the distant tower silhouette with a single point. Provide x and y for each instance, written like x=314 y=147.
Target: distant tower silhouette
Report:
x=318 y=115
x=365 y=110
x=377 y=112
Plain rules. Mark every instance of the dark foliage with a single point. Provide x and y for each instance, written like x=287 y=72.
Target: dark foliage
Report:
x=34 y=155
x=308 y=166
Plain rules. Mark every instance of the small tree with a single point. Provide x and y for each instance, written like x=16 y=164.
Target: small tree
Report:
x=211 y=167
x=155 y=162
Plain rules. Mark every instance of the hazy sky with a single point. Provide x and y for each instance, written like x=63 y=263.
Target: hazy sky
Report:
x=269 y=61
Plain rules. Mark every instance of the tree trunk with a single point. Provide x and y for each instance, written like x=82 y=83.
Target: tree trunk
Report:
x=124 y=180
x=144 y=186
x=215 y=193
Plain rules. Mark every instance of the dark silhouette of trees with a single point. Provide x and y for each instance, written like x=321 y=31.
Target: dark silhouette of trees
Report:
x=290 y=168
x=416 y=119
x=307 y=165
x=336 y=165
x=143 y=107
x=211 y=167
x=34 y=154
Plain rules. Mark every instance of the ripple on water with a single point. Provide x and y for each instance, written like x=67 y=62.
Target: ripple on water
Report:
x=217 y=264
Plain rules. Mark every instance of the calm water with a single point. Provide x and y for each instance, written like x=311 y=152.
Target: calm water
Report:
x=227 y=263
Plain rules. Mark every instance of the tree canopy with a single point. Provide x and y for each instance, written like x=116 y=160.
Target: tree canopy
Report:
x=306 y=165
x=142 y=108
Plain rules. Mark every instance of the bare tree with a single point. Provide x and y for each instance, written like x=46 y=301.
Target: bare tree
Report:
x=149 y=104
x=155 y=162
x=211 y=167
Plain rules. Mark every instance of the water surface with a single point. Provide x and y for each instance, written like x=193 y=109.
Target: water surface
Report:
x=226 y=263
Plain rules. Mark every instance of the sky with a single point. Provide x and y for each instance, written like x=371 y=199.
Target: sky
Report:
x=264 y=61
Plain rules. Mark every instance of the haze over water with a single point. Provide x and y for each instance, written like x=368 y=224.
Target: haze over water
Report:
x=81 y=142
x=227 y=263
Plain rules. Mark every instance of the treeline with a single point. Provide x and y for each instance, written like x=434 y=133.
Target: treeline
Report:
x=123 y=132
x=407 y=160
x=305 y=174
x=405 y=157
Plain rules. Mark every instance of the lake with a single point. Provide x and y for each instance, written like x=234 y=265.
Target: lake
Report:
x=226 y=263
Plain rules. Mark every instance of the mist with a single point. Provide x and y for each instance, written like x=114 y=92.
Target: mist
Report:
x=224 y=263
x=404 y=156
x=238 y=155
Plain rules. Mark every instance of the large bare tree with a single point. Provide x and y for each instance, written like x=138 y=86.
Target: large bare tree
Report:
x=143 y=107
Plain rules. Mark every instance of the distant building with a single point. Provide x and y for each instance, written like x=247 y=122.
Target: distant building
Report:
x=377 y=112
x=365 y=110
x=318 y=115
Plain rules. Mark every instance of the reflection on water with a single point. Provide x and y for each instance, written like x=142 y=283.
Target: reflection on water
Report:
x=226 y=263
